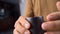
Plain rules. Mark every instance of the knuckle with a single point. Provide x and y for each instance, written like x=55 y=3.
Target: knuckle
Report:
x=16 y=23
x=16 y=32
x=20 y=29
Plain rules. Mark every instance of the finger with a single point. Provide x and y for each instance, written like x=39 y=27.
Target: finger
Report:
x=15 y=32
x=53 y=16
x=24 y=23
x=51 y=26
x=58 y=32
x=19 y=27
x=27 y=32
x=58 y=5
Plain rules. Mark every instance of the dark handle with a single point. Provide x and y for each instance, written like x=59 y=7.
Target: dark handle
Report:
x=36 y=25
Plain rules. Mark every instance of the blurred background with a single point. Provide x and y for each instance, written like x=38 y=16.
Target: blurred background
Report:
x=10 y=10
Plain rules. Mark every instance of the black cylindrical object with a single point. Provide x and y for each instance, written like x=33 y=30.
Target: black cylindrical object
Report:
x=36 y=25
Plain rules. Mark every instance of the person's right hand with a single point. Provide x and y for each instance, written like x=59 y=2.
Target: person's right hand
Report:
x=21 y=26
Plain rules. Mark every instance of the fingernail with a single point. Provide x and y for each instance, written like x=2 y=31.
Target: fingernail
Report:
x=45 y=26
x=26 y=32
x=45 y=33
x=26 y=25
x=48 y=33
x=49 y=17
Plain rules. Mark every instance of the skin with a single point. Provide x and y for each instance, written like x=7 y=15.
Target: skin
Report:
x=52 y=26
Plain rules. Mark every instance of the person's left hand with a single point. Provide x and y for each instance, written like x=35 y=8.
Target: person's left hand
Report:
x=53 y=22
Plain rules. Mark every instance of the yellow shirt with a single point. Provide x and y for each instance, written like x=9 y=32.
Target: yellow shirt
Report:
x=36 y=8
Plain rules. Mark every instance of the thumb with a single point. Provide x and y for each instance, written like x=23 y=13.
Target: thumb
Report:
x=58 y=5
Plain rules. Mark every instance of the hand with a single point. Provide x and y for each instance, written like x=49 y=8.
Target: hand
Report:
x=21 y=26
x=52 y=25
x=53 y=22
